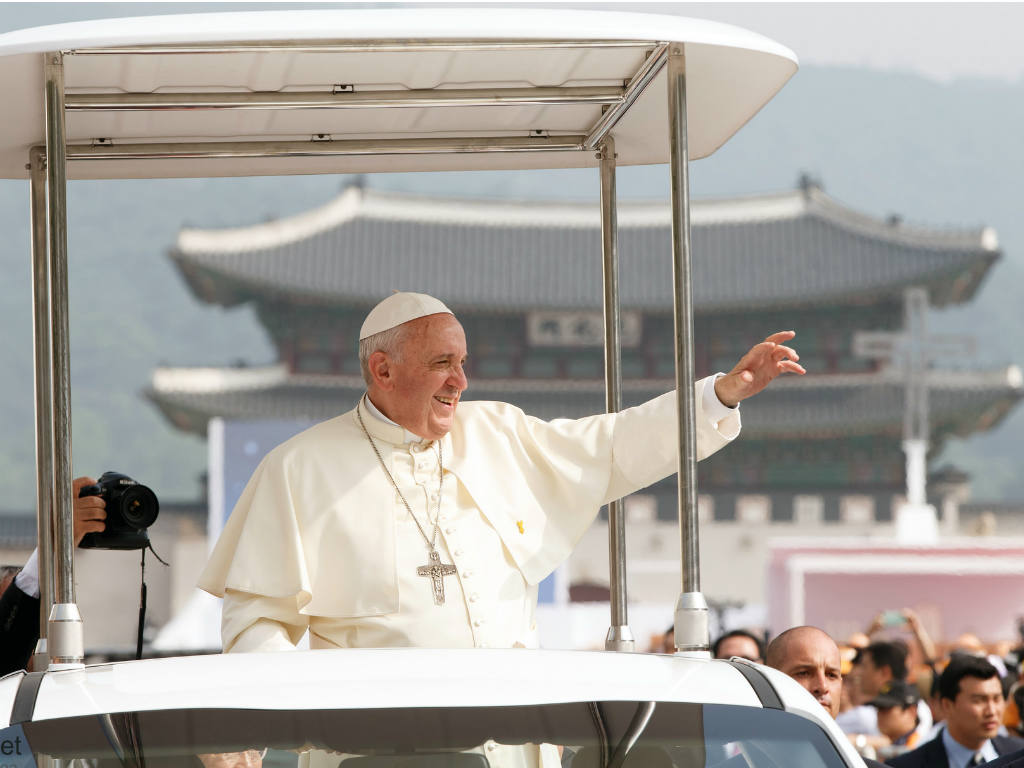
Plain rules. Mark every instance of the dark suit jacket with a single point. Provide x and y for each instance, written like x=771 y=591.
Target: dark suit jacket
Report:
x=19 y=629
x=933 y=753
x=1015 y=760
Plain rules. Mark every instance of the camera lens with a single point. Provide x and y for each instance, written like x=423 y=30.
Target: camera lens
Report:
x=139 y=506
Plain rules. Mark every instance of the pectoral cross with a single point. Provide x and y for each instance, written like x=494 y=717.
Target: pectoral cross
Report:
x=437 y=570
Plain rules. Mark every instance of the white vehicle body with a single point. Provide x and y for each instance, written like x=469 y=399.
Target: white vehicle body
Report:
x=518 y=684
x=374 y=91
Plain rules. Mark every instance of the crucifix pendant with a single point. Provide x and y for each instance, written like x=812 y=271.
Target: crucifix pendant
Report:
x=437 y=570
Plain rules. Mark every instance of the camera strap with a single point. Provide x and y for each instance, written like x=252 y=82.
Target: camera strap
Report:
x=142 y=609
x=142 y=598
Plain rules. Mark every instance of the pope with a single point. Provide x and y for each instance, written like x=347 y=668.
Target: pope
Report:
x=417 y=519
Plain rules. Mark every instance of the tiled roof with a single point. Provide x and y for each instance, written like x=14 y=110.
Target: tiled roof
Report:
x=803 y=247
x=812 y=406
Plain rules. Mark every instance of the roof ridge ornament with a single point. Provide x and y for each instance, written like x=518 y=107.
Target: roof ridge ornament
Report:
x=808 y=184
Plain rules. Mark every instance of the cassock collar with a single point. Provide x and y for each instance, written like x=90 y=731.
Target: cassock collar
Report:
x=383 y=428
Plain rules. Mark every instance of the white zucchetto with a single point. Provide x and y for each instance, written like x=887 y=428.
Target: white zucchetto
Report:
x=400 y=308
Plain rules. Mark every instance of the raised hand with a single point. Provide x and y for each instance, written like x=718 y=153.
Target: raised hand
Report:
x=757 y=368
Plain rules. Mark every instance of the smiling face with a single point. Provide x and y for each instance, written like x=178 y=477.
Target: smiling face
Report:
x=420 y=389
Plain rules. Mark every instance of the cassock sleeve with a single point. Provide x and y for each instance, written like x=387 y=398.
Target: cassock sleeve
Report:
x=258 y=623
x=258 y=566
x=645 y=442
x=295 y=544
x=556 y=475
x=260 y=550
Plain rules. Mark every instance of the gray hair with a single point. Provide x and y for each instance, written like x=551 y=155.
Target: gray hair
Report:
x=389 y=342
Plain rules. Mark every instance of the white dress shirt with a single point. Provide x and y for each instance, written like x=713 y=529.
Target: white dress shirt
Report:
x=27 y=579
x=959 y=756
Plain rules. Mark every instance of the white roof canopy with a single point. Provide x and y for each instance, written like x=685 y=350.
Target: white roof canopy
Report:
x=331 y=89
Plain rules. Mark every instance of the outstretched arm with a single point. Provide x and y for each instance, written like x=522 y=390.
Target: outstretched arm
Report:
x=757 y=368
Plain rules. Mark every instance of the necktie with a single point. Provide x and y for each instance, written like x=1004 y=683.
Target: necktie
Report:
x=978 y=759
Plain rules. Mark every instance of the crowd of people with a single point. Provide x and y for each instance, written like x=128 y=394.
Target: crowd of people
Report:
x=902 y=699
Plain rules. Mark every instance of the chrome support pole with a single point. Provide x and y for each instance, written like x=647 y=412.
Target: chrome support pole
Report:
x=65 y=635
x=43 y=397
x=643 y=77
x=620 y=637
x=441 y=97
x=323 y=148
x=691 y=619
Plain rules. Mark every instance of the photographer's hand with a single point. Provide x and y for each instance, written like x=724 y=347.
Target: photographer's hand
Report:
x=89 y=511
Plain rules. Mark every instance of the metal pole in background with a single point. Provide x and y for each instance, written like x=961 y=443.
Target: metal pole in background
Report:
x=43 y=397
x=66 y=643
x=691 y=620
x=620 y=637
x=915 y=405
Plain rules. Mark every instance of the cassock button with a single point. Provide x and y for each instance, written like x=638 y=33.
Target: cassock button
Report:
x=467 y=573
x=477 y=622
x=450 y=529
x=474 y=597
x=457 y=553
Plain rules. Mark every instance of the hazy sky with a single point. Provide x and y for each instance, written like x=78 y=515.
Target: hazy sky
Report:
x=940 y=40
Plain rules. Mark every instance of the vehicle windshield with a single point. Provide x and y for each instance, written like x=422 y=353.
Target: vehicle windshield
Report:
x=572 y=735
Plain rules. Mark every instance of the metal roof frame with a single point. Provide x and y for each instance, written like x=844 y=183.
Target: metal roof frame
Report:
x=725 y=62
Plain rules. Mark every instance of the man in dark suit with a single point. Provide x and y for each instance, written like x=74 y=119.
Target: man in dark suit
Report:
x=971 y=702
x=19 y=603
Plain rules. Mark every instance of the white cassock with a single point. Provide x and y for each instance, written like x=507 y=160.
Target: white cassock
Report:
x=321 y=541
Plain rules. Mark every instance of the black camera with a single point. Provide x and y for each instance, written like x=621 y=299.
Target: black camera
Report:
x=131 y=509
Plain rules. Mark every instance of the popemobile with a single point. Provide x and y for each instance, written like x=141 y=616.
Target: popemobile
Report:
x=363 y=91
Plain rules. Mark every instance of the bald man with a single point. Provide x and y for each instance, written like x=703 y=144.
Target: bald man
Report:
x=811 y=657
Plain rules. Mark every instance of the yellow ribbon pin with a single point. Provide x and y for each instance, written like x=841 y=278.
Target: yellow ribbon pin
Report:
x=519 y=524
